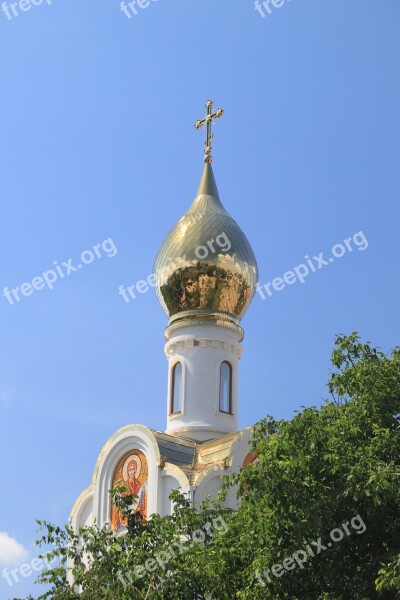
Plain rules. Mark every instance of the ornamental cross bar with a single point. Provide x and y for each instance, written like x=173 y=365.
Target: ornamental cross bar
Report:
x=208 y=121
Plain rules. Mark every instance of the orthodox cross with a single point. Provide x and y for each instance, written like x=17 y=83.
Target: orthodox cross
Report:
x=208 y=121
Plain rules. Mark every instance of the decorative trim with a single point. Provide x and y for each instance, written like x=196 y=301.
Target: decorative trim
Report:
x=172 y=347
x=205 y=320
x=80 y=502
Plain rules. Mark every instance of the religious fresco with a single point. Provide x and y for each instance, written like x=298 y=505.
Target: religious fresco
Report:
x=132 y=473
x=250 y=459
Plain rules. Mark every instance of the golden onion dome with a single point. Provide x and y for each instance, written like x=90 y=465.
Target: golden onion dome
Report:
x=206 y=266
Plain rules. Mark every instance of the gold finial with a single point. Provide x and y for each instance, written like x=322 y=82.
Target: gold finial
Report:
x=208 y=121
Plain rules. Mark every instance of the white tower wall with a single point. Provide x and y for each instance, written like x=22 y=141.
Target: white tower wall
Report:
x=202 y=349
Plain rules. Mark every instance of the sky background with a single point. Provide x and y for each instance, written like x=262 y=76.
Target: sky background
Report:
x=97 y=142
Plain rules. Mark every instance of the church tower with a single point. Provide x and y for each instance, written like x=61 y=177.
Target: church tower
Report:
x=206 y=275
x=206 y=278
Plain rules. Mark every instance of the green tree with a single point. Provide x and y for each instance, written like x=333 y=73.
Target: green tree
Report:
x=315 y=473
x=154 y=559
x=331 y=472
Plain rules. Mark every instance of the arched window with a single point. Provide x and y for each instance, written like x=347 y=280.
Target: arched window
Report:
x=176 y=388
x=225 y=388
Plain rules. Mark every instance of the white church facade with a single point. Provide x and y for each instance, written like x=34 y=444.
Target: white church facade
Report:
x=206 y=276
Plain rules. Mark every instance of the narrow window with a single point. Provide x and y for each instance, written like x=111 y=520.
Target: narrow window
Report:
x=225 y=388
x=176 y=390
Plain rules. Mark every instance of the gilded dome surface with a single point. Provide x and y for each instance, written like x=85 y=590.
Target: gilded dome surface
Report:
x=206 y=265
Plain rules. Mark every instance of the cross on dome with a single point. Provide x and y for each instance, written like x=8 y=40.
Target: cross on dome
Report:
x=208 y=121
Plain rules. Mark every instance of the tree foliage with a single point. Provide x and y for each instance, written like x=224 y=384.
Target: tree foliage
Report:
x=153 y=559
x=330 y=469
x=316 y=472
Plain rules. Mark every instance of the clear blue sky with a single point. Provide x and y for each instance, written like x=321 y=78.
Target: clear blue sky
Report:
x=98 y=142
